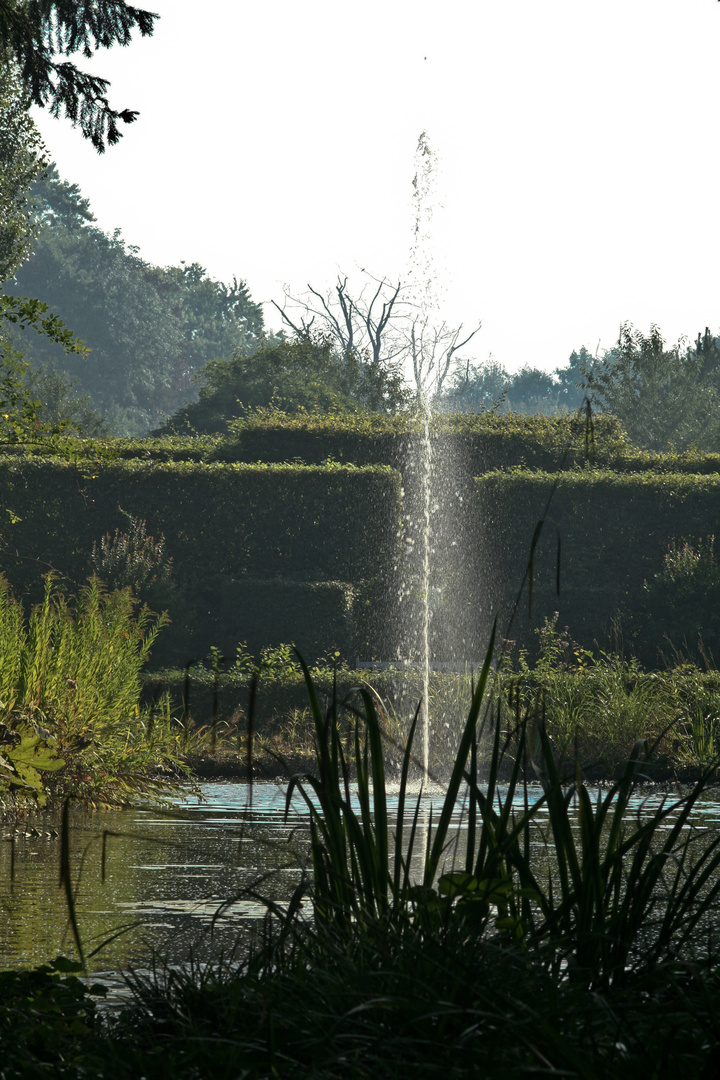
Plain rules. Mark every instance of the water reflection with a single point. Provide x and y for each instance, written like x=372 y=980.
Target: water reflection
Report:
x=169 y=874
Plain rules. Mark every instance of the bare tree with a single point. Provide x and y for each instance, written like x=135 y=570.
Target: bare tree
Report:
x=358 y=326
x=432 y=350
x=382 y=327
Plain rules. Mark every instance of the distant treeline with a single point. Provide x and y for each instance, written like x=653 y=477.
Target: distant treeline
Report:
x=149 y=329
x=173 y=351
x=667 y=398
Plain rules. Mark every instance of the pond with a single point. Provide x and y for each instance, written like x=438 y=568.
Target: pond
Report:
x=176 y=879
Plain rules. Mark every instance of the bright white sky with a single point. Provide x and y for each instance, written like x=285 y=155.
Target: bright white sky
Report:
x=576 y=139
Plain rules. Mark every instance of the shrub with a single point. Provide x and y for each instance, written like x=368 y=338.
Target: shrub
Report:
x=135 y=560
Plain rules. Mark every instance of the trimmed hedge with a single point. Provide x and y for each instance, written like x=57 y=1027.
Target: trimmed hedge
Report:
x=482 y=441
x=230 y=520
x=106 y=450
x=614 y=531
x=313 y=616
x=485 y=442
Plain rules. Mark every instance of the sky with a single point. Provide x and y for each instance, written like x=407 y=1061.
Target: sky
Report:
x=575 y=153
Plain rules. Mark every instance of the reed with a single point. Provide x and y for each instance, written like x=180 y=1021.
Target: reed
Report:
x=621 y=891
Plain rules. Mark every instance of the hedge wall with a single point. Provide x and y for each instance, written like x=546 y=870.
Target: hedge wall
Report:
x=482 y=441
x=614 y=530
x=229 y=522
x=107 y=450
x=239 y=520
x=315 y=616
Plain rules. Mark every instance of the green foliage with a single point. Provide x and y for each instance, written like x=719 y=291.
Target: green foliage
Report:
x=596 y=705
x=23 y=417
x=302 y=523
x=27 y=751
x=218 y=320
x=664 y=397
x=291 y=376
x=70 y=698
x=611 y=878
x=21 y=159
x=486 y=441
x=61 y=405
x=555 y=931
x=690 y=567
x=558 y=929
x=489 y=386
x=24 y=312
x=38 y=37
x=47 y=1016
x=138 y=561
x=36 y=404
x=483 y=441
x=683 y=599
x=606 y=557
x=275 y=524
x=19 y=421
x=148 y=329
x=312 y=535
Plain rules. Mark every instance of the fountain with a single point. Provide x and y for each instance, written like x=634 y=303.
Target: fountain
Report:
x=434 y=481
x=435 y=619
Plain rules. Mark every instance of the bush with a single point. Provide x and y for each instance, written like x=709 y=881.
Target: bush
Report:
x=682 y=600
x=137 y=561
x=307 y=375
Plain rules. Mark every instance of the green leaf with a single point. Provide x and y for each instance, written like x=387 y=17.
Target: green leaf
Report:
x=64 y=966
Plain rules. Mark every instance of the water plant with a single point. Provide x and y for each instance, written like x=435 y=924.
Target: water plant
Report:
x=527 y=924
x=602 y=890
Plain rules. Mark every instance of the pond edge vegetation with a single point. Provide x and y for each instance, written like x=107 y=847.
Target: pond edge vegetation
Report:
x=490 y=963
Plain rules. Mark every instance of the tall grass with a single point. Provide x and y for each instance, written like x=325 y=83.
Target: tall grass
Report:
x=620 y=891
x=70 y=712
x=597 y=705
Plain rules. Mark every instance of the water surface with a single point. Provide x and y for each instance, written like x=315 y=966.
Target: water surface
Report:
x=180 y=878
